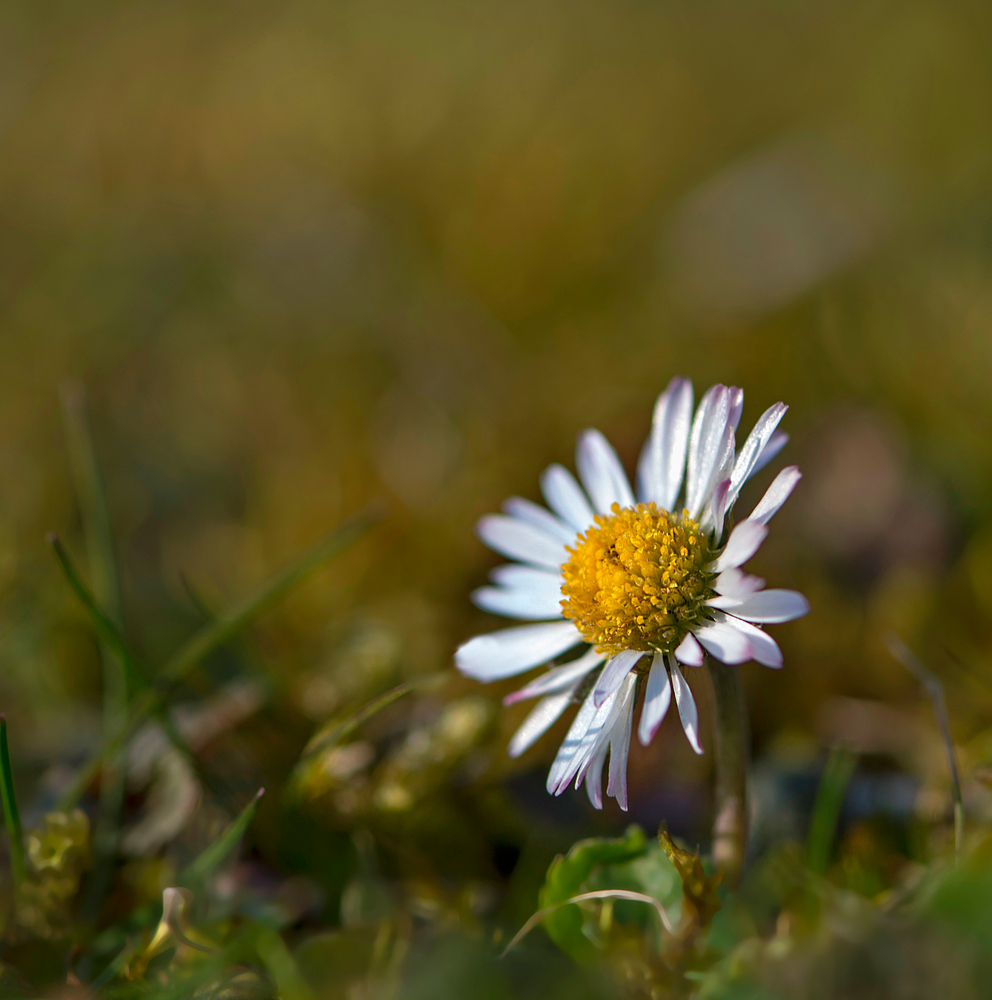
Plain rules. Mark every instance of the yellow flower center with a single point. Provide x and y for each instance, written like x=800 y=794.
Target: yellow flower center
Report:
x=636 y=580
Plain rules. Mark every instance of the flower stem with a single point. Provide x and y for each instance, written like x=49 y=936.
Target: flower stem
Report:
x=733 y=740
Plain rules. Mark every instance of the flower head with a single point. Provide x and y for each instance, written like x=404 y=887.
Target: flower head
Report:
x=621 y=578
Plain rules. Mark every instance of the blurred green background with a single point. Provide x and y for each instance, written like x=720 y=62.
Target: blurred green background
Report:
x=304 y=254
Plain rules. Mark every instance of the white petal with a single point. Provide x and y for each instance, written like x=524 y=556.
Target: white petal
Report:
x=627 y=691
x=725 y=643
x=544 y=715
x=713 y=399
x=619 y=750
x=716 y=509
x=559 y=678
x=657 y=698
x=565 y=497
x=594 y=779
x=601 y=472
x=711 y=445
x=513 y=650
x=690 y=652
x=513 y=576
x=518 y=603
x=580 y=742
x=736 y=406
x=535 y=514
x=768 y=606
x=520 y=540
x=755 y=444
x=736 y=583
x=662 y=465
x=716 y=493
x=686 y=705
x=764 y=648
x=776 y=494
x=613 y=674
x=775 y=444
x=744 y=541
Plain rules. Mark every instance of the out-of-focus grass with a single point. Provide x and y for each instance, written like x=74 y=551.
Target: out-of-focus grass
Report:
x=304 y=254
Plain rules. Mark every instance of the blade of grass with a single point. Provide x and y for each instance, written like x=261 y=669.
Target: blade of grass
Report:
x=280 y=964
x=106 y=629
x=609 y=894
x=341 y=732
x=92 y=497
x=98 y=530
x=935 y=691
x=244 y=659
x=11 y=817
x=112 y=637
x=215 y=634
x=111 y=970
x=826 y=810
x=119 y=671
x=211 y=858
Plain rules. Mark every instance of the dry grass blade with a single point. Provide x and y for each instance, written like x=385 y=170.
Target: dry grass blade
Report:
x=637 y=897
x=935 y=690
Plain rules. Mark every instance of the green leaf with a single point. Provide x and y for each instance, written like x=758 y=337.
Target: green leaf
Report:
x=566 y=877
x=211 y=859
x=11 y=817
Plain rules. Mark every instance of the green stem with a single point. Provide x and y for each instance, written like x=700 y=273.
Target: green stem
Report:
x=733 y=740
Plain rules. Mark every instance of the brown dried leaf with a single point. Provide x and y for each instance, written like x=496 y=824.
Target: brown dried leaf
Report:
x=701 y=901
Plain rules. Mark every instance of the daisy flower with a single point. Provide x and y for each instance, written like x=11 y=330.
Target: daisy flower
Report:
x=639 y=585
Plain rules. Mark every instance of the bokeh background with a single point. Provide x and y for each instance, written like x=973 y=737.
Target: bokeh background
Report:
x=304 y=254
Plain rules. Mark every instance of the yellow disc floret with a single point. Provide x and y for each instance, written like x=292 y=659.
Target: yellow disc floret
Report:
x=637 y=579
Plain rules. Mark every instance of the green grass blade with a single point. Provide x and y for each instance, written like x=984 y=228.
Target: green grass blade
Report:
x=935 y=691
x=140 y=708
x=11 y=817
x=826 y=810
x=100 y=547
x=112 y=970
x=213 y=635
x=107 y=631
x=214 y=855
x=343 y=730
x=120 y=676
x=92 y=498
x=280 y=964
